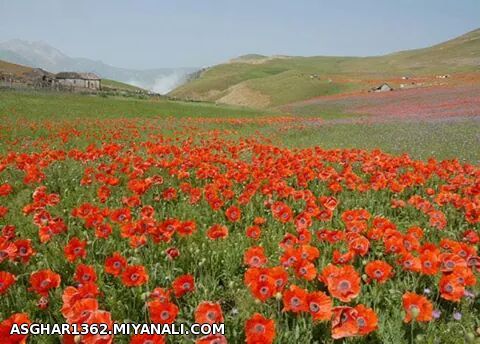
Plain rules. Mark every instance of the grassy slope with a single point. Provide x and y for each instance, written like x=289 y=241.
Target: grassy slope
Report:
x=112 y=84
x=13 y=68
x=288 y=79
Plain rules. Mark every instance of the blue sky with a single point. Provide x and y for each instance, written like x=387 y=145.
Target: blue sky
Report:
x=155 y=33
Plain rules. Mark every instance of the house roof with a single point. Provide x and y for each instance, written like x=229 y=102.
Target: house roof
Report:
x=74 y=75
x=381 y=85
x=38 y=73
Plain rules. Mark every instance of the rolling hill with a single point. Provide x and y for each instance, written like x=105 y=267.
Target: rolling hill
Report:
x=263 y=82
x=13 y=68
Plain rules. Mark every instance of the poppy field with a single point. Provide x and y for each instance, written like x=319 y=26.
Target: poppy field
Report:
x=195 y=219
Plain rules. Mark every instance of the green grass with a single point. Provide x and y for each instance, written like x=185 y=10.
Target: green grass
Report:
x=64 y=105
x=442 y=140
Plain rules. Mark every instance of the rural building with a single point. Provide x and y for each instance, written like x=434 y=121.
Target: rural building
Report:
x=39 y=78
x=382 y=88
x=35 y=77
x=89 y=81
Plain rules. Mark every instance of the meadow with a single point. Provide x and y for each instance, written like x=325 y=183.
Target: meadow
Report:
x=285 y=227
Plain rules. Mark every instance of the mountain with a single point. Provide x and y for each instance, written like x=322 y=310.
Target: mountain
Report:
x=42 y=55
x=262 y=81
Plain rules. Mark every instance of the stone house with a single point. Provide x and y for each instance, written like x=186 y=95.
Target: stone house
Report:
x=75 y=80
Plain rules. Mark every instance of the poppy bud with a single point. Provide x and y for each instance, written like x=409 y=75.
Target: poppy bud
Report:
x=172 y=253
x=77 y=339
x=419 y=338
x=278 y=296
x=43 y=303
x=470 y=337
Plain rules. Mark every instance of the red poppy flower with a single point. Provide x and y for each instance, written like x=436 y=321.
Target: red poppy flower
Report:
x=81 y=310
x=233 y=214
x=451 y=261
x=160 y=294
x=134 y=276
x=342 y=258
x=255 y=257
x=172 y=253
x=103 y=193
x=8 y=250
x=162 y=312
x=139 y=186
x=169 y=194
x=259 y=221
x=450 y=288
x=122 y=215
x=99 y=317
x=417 y=307
x=344 y=284
x=259 y=329
x=367 y=320
x=43 y=303
x=5 y=190
x=471 y=236
x=85 y=274
x=217 y=232
x=429 y=263
x=208 y=313
x=6 y=280
x=182 y=285
x=409 y=262
x=303 y=221
x=8 y=232
x=24 y=250
x=147 y=339
x=212 y=339
x=43 y=281
x=308 y=252
x=295 y=300
x=115 y=264
x=254 y=232
x=103 y=231
x=305 y=270
x=75 y=249
x=187 y=228
x=344 y=322
x=6 y=327
x=319 y=306
x=263 y=288
x=71 y=296
x=3 y=211
x=359 y=244
x=379 y=271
